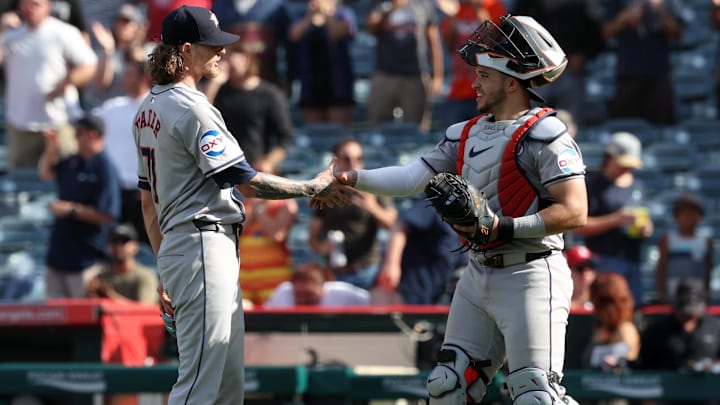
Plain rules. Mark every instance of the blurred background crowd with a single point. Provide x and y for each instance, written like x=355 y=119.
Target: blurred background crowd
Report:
x=374 y=83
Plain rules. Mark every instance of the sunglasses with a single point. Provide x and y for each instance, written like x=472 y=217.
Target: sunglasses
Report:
x=121 y=241
x=586 y=265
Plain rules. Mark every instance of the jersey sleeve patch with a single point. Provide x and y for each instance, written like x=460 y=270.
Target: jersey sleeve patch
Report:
x=570 y=161
x=212 y=143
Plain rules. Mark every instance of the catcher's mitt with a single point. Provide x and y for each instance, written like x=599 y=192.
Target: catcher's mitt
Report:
x=459 y=202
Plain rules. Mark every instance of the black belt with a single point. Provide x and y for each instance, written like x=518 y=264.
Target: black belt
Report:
x=206 y=226
x=511 y=259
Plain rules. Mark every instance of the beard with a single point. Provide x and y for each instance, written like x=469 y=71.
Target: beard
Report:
x=211 y=72
x=492 y=100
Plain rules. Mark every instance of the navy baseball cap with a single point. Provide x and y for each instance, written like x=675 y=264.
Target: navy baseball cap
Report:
x=196 y=25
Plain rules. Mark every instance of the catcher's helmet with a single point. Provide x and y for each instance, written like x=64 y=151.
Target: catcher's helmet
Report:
x=519 y=47
x=578 y=254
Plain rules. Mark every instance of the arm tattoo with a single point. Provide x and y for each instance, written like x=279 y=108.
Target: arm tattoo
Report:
x=271 y=187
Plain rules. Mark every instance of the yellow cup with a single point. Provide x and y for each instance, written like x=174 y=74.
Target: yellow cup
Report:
x=642 y=215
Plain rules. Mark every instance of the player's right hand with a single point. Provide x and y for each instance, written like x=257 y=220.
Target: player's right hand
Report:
x=334 y=193
x=165 y=302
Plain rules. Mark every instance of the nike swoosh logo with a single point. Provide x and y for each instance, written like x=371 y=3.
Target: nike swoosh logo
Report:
x=474 y=152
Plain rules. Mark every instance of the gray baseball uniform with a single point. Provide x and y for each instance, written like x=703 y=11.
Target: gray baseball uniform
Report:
x=182 y=143
x=518 y=312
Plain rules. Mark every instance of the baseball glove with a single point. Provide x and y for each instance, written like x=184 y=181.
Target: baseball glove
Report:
x=459 y=202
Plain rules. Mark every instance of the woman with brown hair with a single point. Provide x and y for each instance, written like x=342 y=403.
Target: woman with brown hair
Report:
x=615 y=339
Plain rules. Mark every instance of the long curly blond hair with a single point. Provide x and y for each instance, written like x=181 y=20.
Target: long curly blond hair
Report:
x=165 y=64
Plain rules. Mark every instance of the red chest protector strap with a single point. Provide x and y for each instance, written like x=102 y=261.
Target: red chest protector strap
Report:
x=515 y=193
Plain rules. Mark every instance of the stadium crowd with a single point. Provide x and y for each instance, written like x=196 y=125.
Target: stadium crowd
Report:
x=373 y=82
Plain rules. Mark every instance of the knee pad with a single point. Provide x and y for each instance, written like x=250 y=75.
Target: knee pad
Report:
x=531 y=386
x=456 y=377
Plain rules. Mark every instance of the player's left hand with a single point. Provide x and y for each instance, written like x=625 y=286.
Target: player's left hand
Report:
x=334 y=194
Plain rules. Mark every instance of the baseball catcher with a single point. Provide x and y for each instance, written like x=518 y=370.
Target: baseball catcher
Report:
x=510 y=306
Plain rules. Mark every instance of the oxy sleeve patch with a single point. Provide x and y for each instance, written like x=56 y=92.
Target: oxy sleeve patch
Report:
x=212 y=143
x=569 y=161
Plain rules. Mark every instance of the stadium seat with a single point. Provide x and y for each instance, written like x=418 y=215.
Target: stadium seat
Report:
x=296 y=160
x=320 y=136
x=592 y=153
x=703 y=133
x=639 y=127
x=362 y=54
x=28 y=180
x=690 y=86
x=395 y=136
x=670 y=157
x=14 y=230
x=655 y=181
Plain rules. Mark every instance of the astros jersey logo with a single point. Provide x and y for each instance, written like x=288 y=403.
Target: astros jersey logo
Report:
x=569 y=161
x=212 y=143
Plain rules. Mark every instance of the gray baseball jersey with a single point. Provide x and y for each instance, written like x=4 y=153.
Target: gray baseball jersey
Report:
x=182 y=141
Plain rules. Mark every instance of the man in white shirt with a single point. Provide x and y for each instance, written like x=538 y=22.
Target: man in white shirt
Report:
x=118 y=114
x=311 y=284
x=46 y=61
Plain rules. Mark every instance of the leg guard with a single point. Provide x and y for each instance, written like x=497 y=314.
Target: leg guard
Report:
x=532 y=386
x=457 y=379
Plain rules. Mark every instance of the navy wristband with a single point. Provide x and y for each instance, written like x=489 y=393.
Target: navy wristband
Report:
x=506 y=228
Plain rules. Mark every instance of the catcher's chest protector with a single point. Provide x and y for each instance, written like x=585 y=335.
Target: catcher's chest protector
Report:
x=486 y=155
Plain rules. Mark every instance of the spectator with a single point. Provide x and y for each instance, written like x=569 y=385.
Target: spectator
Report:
x=359 y=223
x=69 y=11
x=88 y=202
x=408 y=63
x=264 y=24
x=123 y=279
x=577 y=26
x=643 y=30
x=105 y=11
x=117 y=114
x=313 y=284
x=687 y=339
x=582 y=267
x=256 y=111
x=686 y=251
x=118 y=46
x=419 y=263
x=158 y=9
x=615 y=340
x=266 y=258
x=46 y=61
x=617 y=221
x=455 y=28
x=322 y=61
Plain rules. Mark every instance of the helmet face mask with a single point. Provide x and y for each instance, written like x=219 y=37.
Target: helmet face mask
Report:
x=520 y=47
